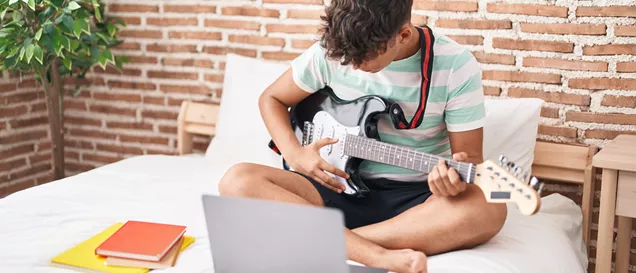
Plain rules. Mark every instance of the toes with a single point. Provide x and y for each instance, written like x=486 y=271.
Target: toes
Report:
x=419 y=263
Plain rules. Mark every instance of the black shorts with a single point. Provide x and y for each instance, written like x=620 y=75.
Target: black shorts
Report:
x=386 y=199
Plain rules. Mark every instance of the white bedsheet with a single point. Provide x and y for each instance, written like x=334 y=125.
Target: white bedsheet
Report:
x=41 y=222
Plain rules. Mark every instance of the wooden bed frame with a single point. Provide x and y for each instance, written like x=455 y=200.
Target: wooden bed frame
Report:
x=565 y=163
x=569 y=163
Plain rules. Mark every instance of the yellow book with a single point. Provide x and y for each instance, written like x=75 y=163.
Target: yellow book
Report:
x=82 y=257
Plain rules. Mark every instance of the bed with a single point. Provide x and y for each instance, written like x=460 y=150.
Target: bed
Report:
x=41 y=222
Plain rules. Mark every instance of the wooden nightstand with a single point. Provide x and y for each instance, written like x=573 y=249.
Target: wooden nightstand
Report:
x=618 y=198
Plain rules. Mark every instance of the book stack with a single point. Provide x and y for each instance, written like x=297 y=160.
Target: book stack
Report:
x=133 y=247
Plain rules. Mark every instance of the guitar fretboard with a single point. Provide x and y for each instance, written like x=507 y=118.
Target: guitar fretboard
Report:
x=395 y=155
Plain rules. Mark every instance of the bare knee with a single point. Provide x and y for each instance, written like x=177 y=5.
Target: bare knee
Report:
x=239 y=181
x=494 y=217
x=481 y=220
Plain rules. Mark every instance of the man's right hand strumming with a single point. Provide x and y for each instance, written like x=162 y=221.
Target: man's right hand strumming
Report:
x=307 y=160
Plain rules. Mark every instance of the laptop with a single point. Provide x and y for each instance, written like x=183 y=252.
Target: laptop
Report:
x=259 y=236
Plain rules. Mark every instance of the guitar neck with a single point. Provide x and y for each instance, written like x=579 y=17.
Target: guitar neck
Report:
x=395 y=155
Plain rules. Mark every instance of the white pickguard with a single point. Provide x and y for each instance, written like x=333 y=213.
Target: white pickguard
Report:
x=325 y=126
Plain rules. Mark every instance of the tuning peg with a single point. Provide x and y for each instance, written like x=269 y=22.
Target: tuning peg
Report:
x=517 y=171
x=540 y=190
x=536 y=185
x=503 y=160
x=534 y=181
x=510 y=166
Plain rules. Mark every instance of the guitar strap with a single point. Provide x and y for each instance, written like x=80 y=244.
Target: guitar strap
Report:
x=427 y=40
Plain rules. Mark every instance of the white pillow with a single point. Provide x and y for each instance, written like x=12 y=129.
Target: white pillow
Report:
x=511 y=130
x=241 y=135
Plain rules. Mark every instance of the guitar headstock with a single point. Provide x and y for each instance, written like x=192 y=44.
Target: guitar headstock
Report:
x=505 y=183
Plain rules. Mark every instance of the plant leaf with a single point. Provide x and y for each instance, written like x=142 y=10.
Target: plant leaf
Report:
x=65 y=42
x=106 y=57
x=48 y=27
x=13 y=52
x=31 y=4
x=68 y=21
x=102 y=63
x=109 y=56
x=29 y=53
x=6 y=32
x=73 y=5
x=11 y=2
x=86 y=28
x=103 y=59
x=22 y=52
x=59 y=19
x=78 y=26
x=47 y=42
x=57 y=44
x=27 y=42
x=94 y=53
x=57 y=3
x=119 y=61
x=98 y=14
x=4 y=12
x=10 y=62
x=38 y=35
x=39 y=55
x=111 y=29
x=17 y=17
x=121 y=22
x=81 y=14
x=43 y=16
x=68 y=63
x=75 y=44
x=103 y=37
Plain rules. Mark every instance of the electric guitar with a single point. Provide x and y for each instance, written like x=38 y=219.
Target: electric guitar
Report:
x=354 y=123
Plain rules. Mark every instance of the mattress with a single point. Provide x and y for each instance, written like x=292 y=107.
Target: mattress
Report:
x=38 y=223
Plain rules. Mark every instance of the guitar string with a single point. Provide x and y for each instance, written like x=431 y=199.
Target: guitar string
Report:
x=415 y=157
x=376 y=146
x=405 y=161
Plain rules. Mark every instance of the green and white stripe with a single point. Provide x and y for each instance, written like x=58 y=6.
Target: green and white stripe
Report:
x=455 y=103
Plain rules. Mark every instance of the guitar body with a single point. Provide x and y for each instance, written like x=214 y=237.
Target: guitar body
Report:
x=332 y=117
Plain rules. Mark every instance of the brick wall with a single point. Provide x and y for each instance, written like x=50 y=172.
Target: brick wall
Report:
x=579 y=56
x=25 y=150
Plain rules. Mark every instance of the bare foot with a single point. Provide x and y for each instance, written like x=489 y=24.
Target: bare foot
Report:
x=403 y=261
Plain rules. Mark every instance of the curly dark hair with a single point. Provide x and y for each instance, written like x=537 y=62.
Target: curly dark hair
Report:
x=354 y=31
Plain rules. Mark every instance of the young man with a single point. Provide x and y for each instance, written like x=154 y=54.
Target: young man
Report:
x=370 y=47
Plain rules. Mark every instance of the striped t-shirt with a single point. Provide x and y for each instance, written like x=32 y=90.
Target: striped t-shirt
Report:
x=455 y=102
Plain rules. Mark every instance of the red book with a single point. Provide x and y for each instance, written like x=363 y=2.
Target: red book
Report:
x=141 y=241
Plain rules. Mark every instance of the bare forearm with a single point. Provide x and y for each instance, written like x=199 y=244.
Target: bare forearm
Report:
x=276 y=117
x=469 y=142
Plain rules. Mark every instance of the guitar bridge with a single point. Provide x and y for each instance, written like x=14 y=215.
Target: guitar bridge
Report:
x=308 y=133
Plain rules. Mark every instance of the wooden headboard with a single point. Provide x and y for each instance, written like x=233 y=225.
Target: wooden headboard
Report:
x=195 y=119
x=567 y=163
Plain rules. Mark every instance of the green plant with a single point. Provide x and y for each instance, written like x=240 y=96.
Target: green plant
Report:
x=53 y=39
